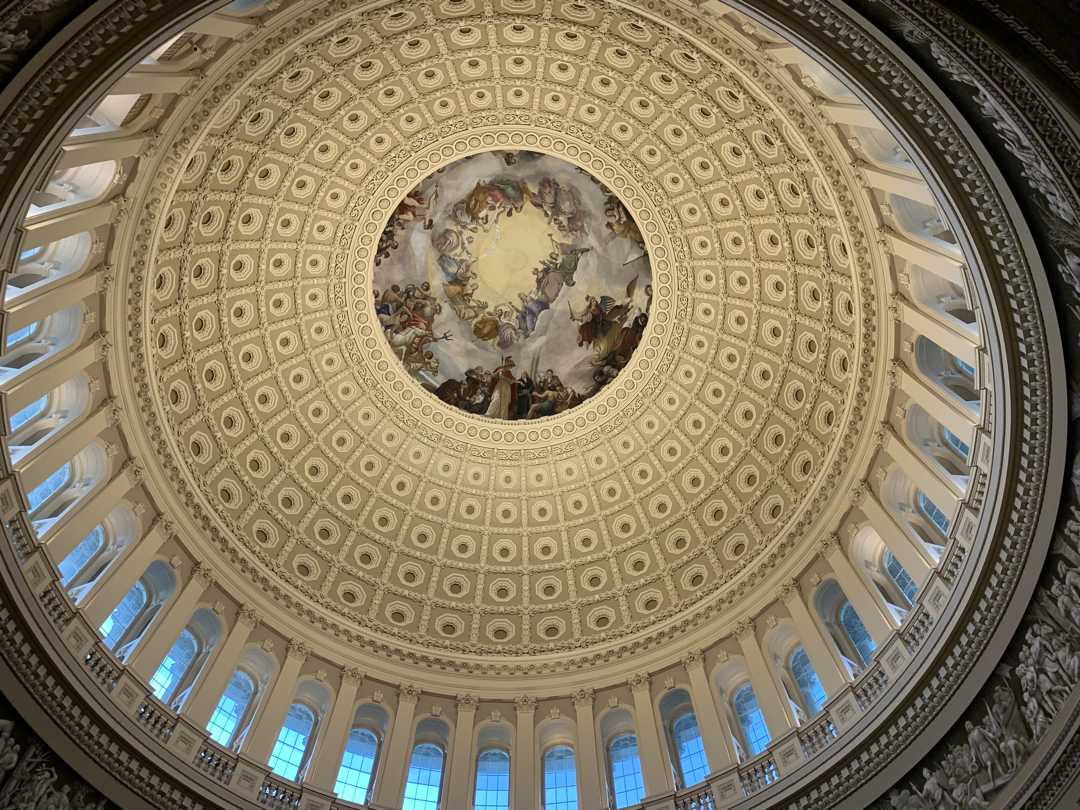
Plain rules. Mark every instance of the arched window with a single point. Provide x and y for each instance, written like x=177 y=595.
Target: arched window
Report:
x=856 y=631
x=903 y=581
x=690 y=749
x=22 y=335
x=226 y=717
x=74 y=563
x=174 y=666
x=955 y=443
x=560 y=779
x=53 y=335
x=922 y=220
x=28 y=413
x=123 y=616
x=357 y=765
x=185 y=660
x=936 y=516
x=751 y=720
x=292 y=741
x=49 y=487
x=627 y=784
x=425 y=778
x=49 y=264
x=807 y=679
x=492 y=780
x=74 y=481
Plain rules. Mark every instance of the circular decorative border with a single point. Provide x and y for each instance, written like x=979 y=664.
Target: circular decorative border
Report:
x=671 y=283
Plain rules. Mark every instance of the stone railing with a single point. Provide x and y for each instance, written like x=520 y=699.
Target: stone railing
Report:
x=252 y=782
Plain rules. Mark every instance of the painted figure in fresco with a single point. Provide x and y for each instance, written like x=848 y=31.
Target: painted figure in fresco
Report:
x=549 y=282
x=487 y=201
x=562 y=207
x=530 y=311
x=565 y=258
x=486 y=328
x=544 y=402
x=593 y=325
x=620 y=224
x=629 y=337
x=549 y=381
x=508 y=332
x=502 y=389
x=414 y=209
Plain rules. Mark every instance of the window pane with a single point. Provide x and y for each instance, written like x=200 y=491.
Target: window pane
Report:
x=50 y=486
x=857 y=633
x=934 y=513
x=425 y=778
x=354 y=776
x=292 y=741
x=76 y=561
x=807 y=680
x=174 y=666
x=20 y=335
x=492 y=781
x=692 y=761
x=560 y=779
x=903 y=581
x=124 y=614
x=967 y=368
x=626 y=771
x=750 y=718
x=958 y=445
x=28 y=413
x=230 y=708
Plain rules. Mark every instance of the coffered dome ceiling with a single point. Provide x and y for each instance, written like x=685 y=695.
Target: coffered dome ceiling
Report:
x=338 y=478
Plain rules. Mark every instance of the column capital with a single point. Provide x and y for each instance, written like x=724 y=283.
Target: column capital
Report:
x=859 y=492
x=896 y=372
x=789 y=590
x=745 y=629
x=352 y=676
x=248 y=616
x=639 y=682
x=297 y=649
x=694 y=659
x=830 y=544
x=583 y=698
x=162 y=524
x=467 y=703
x=102 y=346
x=112 y=411
x=896 y=306
x=882 y=435
x=133 y=471
x=203 y=574
x=408 y=693
x=526 y=704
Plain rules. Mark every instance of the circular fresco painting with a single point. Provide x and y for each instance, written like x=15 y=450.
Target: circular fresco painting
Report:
x=512 y=285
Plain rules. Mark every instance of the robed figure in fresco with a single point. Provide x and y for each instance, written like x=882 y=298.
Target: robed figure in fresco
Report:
x=502 y=388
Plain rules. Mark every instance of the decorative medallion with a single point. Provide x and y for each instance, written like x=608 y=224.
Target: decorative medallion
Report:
x=512 y=284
